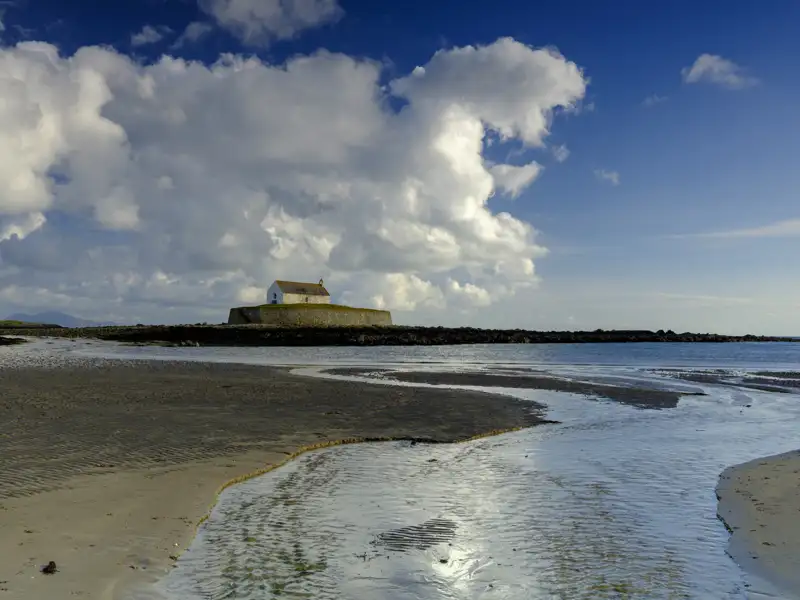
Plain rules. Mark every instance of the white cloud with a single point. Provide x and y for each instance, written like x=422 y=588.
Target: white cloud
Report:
x=561 y=153
x=507 y=67
x=711 y=68
x=251 y=294
x=470 y=295
x=259 y=22
x=654 y=99
x=22 y=226
x=781 y=229
x=149 y=35
x=193 y=32
x=185 y=185
x=402 y=291
x=610 y=176
x=514 y=179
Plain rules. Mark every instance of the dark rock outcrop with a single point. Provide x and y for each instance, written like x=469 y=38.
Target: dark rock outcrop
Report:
x=260 y=335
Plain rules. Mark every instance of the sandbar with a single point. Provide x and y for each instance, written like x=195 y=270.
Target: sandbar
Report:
x=639 y=397
x=759 y=502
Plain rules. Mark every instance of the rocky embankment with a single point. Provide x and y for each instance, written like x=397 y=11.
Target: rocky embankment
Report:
x=260 y=335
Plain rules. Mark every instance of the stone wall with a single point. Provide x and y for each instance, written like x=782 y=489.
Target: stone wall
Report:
x=316 y=315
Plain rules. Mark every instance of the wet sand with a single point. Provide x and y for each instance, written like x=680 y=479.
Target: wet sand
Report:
x=759 y=502
x=639 y=397
x=107 y=468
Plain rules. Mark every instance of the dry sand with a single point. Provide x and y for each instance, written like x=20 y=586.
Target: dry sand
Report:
x=106 y=469
x=759 y=502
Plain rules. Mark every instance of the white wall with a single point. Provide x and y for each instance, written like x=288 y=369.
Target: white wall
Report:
x=304 y=299
x=274 y=294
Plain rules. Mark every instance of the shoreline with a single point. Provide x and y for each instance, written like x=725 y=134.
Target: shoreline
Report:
x=640 y=397
x=759 y=504
x=390 y=335
x=95 y=453
x=94 y=450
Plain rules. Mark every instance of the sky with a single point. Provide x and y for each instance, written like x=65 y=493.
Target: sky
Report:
x=518 y=164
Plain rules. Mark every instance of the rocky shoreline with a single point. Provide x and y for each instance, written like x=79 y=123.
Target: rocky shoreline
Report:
x=5 y=341
x=260 y=335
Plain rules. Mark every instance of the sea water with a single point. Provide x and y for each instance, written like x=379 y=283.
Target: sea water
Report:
x=614 y=502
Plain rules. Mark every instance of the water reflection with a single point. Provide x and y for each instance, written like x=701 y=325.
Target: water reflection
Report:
x=615 y=503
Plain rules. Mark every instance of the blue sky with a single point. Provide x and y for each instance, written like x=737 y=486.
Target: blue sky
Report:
x=677 y=204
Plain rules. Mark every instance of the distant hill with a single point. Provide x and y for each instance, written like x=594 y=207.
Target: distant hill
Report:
x=56 y=318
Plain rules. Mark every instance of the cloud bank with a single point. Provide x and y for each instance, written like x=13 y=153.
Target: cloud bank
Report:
x=191 y=185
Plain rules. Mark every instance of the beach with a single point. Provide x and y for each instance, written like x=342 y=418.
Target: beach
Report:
x=759 y=502
x=107 y=467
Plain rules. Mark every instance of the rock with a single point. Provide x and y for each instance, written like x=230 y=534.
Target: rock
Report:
x=50 y=568
x=262 y=335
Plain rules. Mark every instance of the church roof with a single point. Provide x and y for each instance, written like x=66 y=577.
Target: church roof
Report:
x=298 y=287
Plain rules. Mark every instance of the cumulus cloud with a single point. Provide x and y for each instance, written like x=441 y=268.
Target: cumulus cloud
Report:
x=611 y=176
x=149 y=35
x=712 y=68
x=183 y=184
x=514 y=179
x=259 y=22
x=511 y=94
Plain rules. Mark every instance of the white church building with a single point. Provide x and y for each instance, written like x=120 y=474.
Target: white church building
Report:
x=296 y=292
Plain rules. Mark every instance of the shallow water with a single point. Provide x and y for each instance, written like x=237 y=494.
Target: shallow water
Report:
x=748 y=355
x=615 y=502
